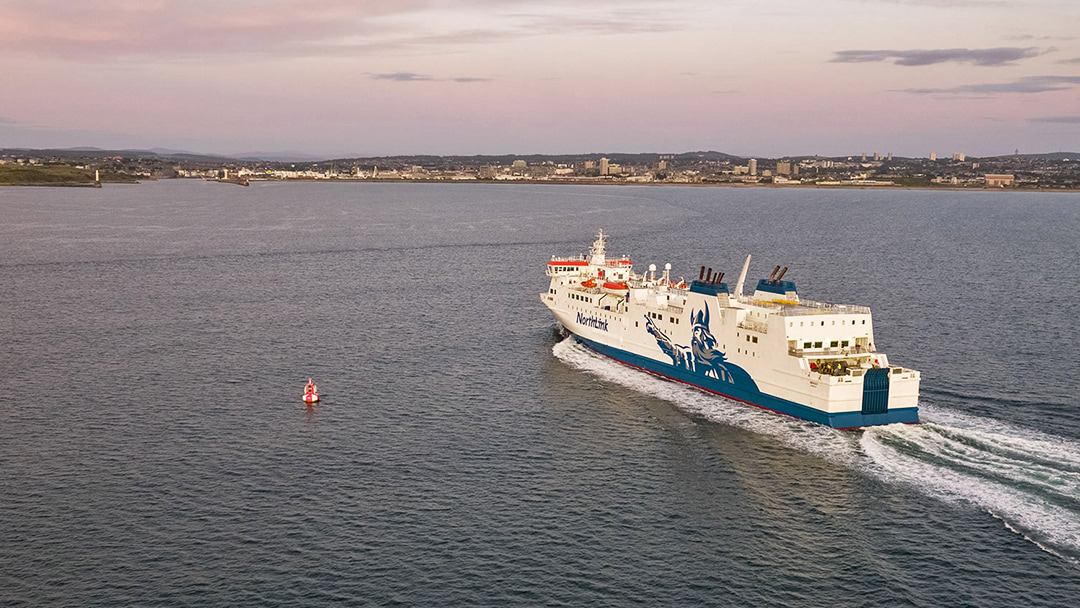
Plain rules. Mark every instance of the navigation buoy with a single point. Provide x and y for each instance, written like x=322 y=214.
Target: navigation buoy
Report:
x=311 y=392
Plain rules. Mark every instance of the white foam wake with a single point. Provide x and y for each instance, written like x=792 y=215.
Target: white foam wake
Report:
x=805 y=436
x=1028 y=480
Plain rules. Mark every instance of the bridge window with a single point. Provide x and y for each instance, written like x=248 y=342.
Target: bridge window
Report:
x=834 y=344
x=844 y=344
x=817 y=344
x=806 y=344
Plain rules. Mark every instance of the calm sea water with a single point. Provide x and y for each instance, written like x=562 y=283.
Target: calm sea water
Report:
x=154 y=449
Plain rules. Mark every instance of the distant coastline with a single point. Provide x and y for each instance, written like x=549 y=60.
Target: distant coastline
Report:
x=542 y=182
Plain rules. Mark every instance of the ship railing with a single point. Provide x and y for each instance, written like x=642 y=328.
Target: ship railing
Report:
x=810 y=307
x=572 y=258
x=754 y=326
x=639 y=283
x=830 y=351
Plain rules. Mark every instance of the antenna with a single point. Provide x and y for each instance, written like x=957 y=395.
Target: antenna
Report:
x=742 y=276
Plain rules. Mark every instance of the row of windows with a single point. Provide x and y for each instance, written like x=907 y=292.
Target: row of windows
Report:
x=842 y=322
x=581 y=297
x=833 y=344
x=660 y=317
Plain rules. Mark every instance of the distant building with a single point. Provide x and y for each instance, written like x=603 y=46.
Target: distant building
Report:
x=960 y=156
x=661 y=166
x=999 y=180
x=519 y=164
x=877 y=156
x=783 y=167
x=605 y=166
x=933 y=156
x=890 y=157
x=864 y=157
x=753 y=166
x=487 y=172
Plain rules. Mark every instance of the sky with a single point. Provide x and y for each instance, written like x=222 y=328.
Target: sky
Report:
x=338 y=78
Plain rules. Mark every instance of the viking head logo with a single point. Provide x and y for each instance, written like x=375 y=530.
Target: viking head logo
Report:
x=707 y=357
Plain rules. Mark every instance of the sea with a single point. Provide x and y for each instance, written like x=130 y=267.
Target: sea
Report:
x=154 y=449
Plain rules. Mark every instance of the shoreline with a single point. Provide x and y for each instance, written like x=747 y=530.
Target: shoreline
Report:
x=540 y=182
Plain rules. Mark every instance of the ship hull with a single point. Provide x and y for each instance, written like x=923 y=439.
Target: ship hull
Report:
x=748 y=393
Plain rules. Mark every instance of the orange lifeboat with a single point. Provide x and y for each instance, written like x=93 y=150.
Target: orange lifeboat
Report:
x=589 y=283
x=619 y=287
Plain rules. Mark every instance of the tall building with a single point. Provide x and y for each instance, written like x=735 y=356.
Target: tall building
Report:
x=753 y=166
x=960 y=156
x=877 y=156
x=890 y=157
x=864 y=157
x=933 y=156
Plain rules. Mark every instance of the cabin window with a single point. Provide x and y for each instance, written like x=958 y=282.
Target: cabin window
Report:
x=864 y=321
x=747 y=337
x=844 y=344
x=806 y=344
x=791 y=324
x=755 y=339
x=834 y=344
x=817 y=344
x=834 y=322
x=800 y=323
x=823 y=324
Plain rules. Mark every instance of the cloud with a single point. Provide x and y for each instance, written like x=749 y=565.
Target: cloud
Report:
x=414 y=77
x=402 y=77
x=97 y=30
x=1073 y=61
x=1070 y=120
x=981 y=57
x=1029 y=84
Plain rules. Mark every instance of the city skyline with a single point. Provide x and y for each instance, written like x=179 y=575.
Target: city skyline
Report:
x=337 y=78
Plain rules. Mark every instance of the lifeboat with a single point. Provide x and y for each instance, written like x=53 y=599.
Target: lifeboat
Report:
x=619 y=287
x=589 y=283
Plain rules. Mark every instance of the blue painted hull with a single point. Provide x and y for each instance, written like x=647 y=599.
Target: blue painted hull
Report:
x=746 y=390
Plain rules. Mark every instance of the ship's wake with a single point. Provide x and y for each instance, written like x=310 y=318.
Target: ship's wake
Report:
x=1030 y=481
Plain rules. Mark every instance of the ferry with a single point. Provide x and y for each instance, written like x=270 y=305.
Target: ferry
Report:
x=771 y=349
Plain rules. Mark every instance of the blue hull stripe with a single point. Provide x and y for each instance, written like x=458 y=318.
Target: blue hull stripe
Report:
x=845 y=420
